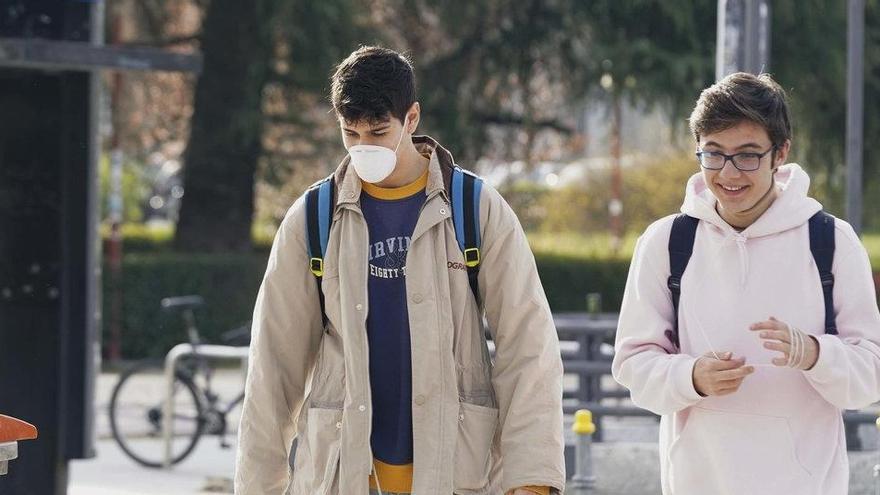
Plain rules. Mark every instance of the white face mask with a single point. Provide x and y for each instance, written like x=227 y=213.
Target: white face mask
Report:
x=375 y=163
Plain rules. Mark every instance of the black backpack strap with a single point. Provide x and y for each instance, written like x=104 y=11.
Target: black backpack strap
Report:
x=319 y=216
x=822 y=247
x=465 y=191
x=681 y=246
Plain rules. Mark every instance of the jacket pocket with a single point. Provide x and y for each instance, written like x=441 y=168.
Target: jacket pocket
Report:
x=317 y=457
x=733 y=453
x=328 y=379
x=476 y=430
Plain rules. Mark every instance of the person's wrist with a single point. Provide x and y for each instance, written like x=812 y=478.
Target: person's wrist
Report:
x=814 y=354
x=694 y=378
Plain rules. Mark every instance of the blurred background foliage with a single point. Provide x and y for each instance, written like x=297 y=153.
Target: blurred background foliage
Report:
x=529 y=93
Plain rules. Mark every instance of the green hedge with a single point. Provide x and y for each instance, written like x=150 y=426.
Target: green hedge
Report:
x=568 y=279
x=570 y=268
x=229 y=284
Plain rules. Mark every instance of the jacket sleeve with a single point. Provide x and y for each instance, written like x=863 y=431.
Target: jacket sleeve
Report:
x=527 y=376
x=847 y=373
x=645 y=361
x=285 y=335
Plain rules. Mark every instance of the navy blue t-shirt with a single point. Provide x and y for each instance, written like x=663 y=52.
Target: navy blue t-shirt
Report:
x=391 y=223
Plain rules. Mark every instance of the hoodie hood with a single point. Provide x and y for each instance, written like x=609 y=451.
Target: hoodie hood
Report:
x=791 y=208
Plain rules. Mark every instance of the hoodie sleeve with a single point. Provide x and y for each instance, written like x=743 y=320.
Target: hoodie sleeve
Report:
x=286 y=331
x=527 y=376
x=645 y=361
x=847 y=373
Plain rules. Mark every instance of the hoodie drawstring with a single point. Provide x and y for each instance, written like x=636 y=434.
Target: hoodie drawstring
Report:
x=742 y=253
x=743 y=257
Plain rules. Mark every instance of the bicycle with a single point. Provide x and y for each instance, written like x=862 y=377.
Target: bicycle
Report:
x=137 y=399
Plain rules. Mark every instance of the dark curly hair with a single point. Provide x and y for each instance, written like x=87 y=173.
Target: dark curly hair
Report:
x=742 y=97
x=371 y=84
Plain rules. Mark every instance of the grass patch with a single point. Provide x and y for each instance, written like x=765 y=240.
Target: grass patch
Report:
x=578 y=245
x=871 y=241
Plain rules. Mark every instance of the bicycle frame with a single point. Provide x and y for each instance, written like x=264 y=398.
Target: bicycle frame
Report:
x=171 y=360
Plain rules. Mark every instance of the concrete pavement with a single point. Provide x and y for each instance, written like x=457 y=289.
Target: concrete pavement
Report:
x=626 y=464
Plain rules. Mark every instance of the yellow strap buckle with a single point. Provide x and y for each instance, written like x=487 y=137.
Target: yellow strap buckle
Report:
x=317 y=266
x=472 y=257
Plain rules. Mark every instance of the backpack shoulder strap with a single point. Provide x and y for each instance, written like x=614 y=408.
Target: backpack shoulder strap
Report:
x=465 y=190
x=681 y=246
x=319 y=216
x=822 y=246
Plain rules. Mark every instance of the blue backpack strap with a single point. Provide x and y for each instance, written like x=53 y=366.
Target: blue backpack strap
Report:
x=465 y=189
x=319 y=216
x=822 y=247
x=681 y=246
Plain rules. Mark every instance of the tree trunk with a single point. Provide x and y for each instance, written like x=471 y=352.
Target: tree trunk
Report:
x=225 y=143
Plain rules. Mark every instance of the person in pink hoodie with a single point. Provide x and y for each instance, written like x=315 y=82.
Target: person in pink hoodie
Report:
x=752 y=384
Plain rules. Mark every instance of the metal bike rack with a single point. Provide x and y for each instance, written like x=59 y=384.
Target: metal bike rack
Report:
x=177 y=352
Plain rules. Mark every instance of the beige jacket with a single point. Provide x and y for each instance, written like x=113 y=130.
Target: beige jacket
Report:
x=478 y=427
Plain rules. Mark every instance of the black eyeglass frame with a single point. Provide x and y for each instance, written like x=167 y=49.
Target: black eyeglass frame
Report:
x=732 y=159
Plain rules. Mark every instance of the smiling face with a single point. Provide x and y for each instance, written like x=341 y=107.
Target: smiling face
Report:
x=741 y=193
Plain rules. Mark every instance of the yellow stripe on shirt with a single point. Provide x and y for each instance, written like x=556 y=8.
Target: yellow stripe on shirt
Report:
x=392 y=193
x=392 y=478
x=540 y=490
x=398 y=479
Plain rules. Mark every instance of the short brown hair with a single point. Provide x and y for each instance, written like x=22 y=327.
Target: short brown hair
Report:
x=742 y=97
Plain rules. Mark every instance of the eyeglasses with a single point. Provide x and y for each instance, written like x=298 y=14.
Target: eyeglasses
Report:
x=747 y=162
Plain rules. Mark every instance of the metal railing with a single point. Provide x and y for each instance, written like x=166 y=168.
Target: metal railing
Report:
x=587 y=361
x=174 y=355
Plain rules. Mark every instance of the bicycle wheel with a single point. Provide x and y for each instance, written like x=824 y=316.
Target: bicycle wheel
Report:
x=136 y=415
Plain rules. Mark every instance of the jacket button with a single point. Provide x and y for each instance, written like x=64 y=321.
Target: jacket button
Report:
x=420 y=400
x=339 y=425
x=417 y=298
x=461 y=417
x=362 y=408
x=359 y=307
x=442 y=211
x=350 y=194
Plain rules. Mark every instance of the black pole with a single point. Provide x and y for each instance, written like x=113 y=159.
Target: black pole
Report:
x=855 y=76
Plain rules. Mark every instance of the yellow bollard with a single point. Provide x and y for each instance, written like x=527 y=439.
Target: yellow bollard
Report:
x=583 y=422
x=583 y=480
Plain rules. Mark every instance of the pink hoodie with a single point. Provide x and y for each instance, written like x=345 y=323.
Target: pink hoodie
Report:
x=782 y=431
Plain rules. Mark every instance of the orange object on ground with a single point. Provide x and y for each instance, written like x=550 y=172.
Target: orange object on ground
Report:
x=13 y=430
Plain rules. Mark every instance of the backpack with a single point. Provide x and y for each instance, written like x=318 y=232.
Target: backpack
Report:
x=681 y=246
x=465 y=192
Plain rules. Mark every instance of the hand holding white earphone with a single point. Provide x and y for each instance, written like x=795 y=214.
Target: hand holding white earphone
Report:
x=799 y=350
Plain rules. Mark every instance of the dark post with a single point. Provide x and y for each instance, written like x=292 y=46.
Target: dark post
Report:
x=855 y=80
x=743 y=39
x=48 y=250
x=50 y=55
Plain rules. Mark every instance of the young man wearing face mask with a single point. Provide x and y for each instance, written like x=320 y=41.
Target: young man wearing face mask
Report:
x=751 y=353
x=391 y=389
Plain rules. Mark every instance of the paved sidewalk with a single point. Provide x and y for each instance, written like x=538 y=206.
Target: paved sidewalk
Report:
x=627 y=464
x=207 y=470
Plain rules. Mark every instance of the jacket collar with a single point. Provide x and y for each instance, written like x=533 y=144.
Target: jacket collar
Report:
x=439 y=172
